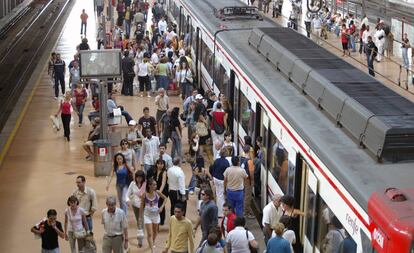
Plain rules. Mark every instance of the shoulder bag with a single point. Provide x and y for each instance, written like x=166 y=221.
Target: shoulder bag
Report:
x=77 y=234
x=252 y=249
x=201 y=129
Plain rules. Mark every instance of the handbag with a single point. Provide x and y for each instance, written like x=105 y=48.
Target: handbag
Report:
x=77 y=234
x=252 y=249
x=117 y=112
x=201 y=129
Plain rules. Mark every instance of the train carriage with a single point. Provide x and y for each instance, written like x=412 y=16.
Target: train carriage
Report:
x=307 y=155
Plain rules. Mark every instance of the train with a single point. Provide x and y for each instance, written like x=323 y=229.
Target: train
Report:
x=335 y=138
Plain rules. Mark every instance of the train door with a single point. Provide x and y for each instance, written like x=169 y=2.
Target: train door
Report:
x=181 y=21
x=234 y=126
x=261 y=135
x=308 y=191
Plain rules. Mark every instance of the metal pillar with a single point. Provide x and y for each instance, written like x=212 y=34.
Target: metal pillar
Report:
x=103 y=109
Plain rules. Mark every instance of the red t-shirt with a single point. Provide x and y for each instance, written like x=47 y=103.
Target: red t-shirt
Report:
x=219 y=117
x=80 y=96
x=65 y=107
x=344 y=38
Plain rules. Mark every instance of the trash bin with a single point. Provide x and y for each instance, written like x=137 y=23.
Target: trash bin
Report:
x=102 y=157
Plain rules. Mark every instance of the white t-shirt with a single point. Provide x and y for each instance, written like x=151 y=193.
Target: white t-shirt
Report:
x=143 y=69
x=271 y=214
x=237 y=238
x=162 y=25
x=75 y=222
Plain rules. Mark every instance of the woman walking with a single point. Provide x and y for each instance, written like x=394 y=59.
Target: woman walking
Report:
x=144 y=71
x=136 y=191
x=129 y=154
x=76 y=227
x=149 y=203
x=176 y=133
x=65 y=110
x=185 y=78
x=344 y=39
x=81 y=95
x=160 y=177
x=123 y=175
x=162 y=73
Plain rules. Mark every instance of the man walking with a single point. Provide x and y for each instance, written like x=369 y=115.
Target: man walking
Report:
x=59 y=68
x=150 y=150
x=49 y=230
x=128 y=74
x=180 y=233
x=162 y=103
x=371 y=51
x=87 y=199
x=208 y=214
x=84 y=19
x=217 y=171
x=176 y=183
x=116 y=228
x=234 y=177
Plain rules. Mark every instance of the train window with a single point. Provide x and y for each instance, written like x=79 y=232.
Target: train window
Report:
x=311 y=216
x=246 y=115
x=278 y=163
x=207 y=58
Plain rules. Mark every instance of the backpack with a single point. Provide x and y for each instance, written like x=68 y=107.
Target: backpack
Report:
x=219 y=129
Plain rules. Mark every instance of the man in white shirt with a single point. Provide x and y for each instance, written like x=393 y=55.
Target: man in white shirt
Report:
x=150 y=150
x=176 y=183
x=116 y=228
x=364 y=21
x=87 y=199
x=271 y=215
x=162 y=26
x=317 y=28
x=170 y=34
x=238 y=240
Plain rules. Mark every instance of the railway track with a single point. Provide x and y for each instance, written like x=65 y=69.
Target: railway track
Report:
x=21 y=56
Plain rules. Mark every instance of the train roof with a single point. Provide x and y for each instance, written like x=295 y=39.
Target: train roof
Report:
x=355 y=168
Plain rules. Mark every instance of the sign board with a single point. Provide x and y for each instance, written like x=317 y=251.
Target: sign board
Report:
x=100 y=63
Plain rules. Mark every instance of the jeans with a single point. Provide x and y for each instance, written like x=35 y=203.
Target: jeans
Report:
x=127 y=25
x=219 y=185
x=236 y=199
x=352 y=43
x=162 y=82
x=66 y=124
x=127 y=85
x=186 y=90
x=147 y=167
x=370 y=61
x=51 y=250
x=121 y=191
x=80 y=112
x=404 y=53
x=59 y=79
x=83 y=25
x=193 y=181
x=176 y=149
x=89 y=221
x=127 y=116
x=141 y=225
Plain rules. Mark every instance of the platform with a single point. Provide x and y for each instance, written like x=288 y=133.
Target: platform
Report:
x=39 y=171
x=387 y=71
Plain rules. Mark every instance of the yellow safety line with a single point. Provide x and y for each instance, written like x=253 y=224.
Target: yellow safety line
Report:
x=20 y=119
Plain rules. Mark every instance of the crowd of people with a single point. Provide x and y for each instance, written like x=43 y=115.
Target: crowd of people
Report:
x=375 y=42
x=224 y=177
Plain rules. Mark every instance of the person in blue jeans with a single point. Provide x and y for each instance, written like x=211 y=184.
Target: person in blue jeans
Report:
x=121 y=169
x=234 y=177
x=278 y=244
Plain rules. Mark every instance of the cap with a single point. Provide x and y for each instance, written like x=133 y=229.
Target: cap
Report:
x=199 y=96
x=132 y=123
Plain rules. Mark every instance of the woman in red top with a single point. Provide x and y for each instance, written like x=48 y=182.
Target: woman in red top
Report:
x=344 y=40
x=218 y=123
x=81 y=95
x=65 y=109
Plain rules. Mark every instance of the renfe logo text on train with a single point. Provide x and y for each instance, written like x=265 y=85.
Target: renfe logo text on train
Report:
x=353 y=223
x=378 y=237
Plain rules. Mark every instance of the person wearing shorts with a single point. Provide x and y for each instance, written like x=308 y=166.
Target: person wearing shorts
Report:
x=149 y=204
